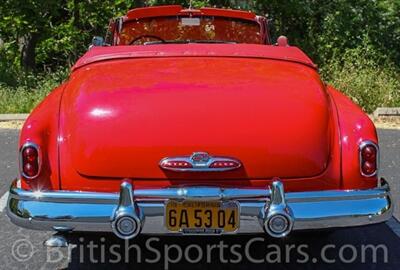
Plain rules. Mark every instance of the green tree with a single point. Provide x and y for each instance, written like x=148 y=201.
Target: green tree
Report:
x=23 y=23
x=46 y=34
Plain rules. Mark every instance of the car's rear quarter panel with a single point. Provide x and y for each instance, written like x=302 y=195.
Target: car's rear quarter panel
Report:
x=41 y=127
x=355 y=126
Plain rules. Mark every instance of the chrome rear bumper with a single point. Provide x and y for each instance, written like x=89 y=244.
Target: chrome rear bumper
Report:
x=92 y=211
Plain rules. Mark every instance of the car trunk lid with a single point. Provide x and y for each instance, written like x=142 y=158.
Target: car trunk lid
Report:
x=124 y=116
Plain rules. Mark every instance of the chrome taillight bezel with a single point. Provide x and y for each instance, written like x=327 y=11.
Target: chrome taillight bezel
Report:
x=362 y=145
x=21 y=168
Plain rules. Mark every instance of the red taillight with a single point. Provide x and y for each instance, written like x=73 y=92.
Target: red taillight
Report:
x=179 y=164
x=369 y=154
x=30 y=161
x=369 y=168
x=224 y=164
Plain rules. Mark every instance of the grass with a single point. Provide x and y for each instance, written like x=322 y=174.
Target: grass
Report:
x=20 y=99
x=30 y=90
x=369 y=87
x=365 y=78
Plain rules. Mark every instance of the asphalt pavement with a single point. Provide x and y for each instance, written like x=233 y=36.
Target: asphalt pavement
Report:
x=372 y=247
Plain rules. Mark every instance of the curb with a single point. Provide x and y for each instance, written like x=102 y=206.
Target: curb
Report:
x=13 y=117
x=387 y=111
x=382 y=111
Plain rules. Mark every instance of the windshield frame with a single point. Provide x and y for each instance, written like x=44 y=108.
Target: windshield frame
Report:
x=116 y=26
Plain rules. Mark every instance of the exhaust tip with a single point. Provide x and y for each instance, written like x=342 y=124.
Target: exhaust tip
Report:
x=126 y=226
x=276 y=216
x=278 y=225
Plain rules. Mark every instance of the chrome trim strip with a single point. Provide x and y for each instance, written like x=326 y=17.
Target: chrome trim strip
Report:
x=344 y=195
x=196 y=193
x=360 y=148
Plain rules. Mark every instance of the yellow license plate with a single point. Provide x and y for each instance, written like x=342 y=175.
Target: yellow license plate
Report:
x=202 y=217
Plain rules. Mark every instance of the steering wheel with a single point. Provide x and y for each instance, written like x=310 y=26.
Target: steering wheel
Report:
x=146 y=36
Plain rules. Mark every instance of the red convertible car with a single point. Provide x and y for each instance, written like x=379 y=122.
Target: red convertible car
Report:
x=191 y=121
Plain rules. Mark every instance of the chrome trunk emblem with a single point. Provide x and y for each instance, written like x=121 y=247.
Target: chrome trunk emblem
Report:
x=199 y=162
x=198 y=157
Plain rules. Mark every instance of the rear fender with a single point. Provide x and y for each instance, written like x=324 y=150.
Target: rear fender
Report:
x=41 y=127
x=355 y=126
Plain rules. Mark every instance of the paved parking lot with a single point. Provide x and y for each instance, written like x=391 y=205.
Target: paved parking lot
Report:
x=374 y=247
